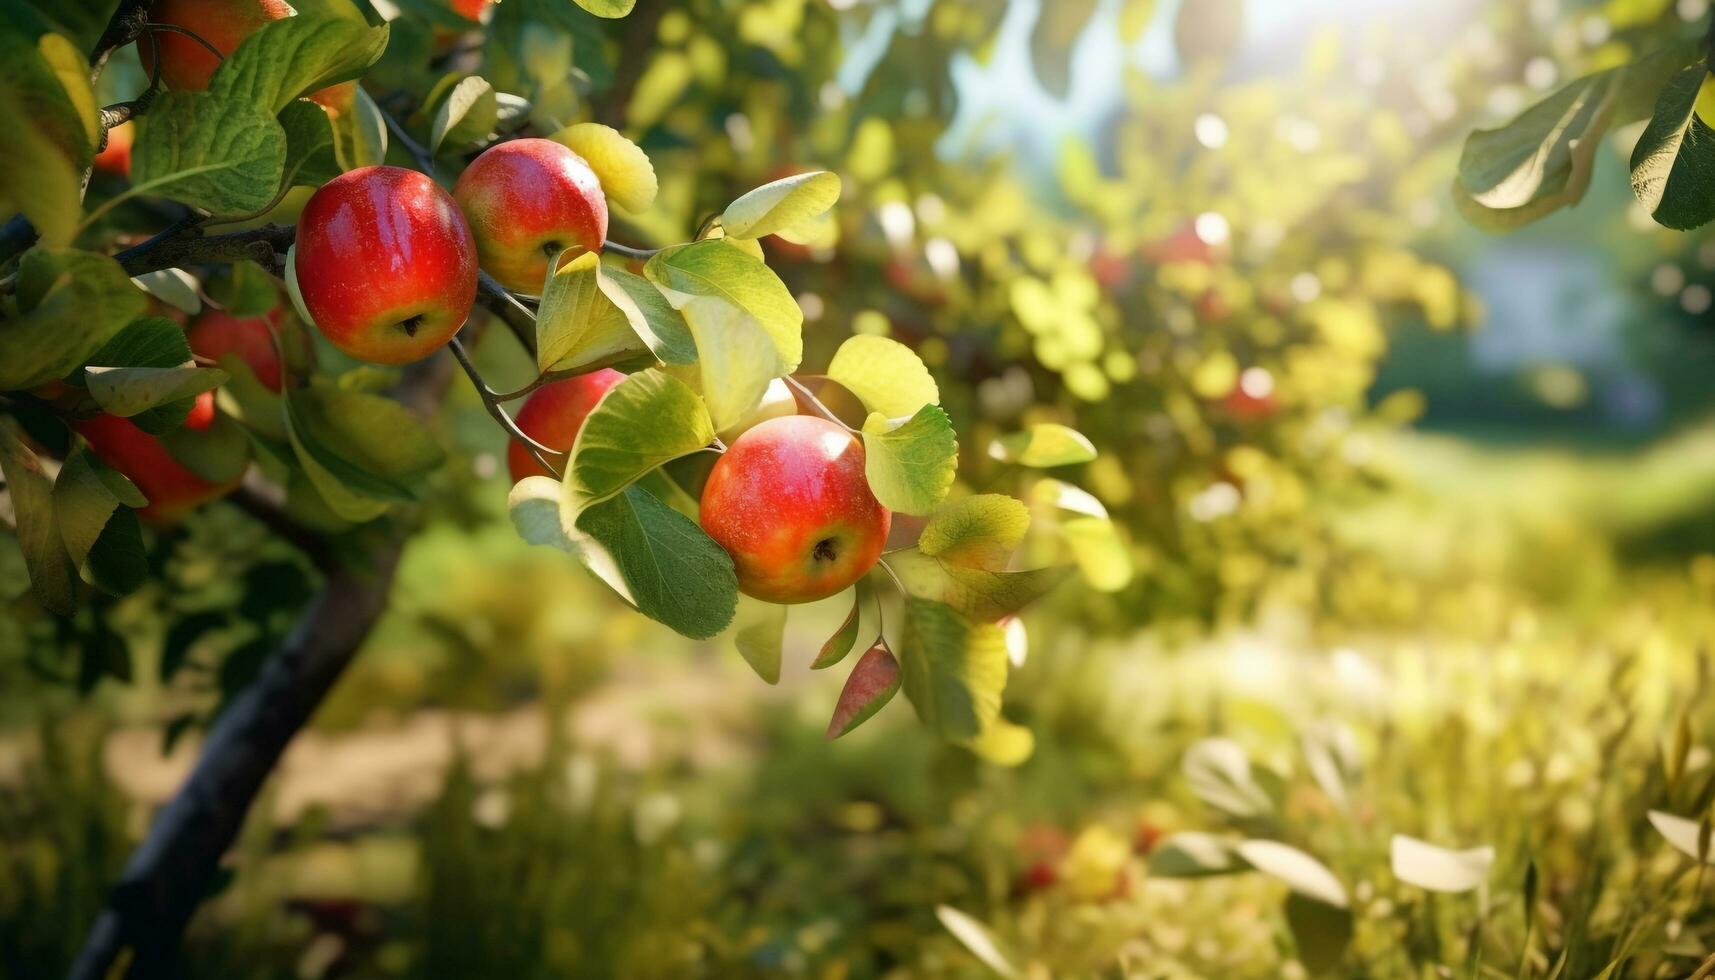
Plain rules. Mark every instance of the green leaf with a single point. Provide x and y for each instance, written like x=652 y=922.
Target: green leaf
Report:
x=715 y=268
x=642 y=422
x=1003 y=744
x=128 y=391
x=310 y=159
x=71 y=303
x=910 y=465
x=783 y=204
x=1542 y=160
x=221 y=154
x=578 y=328
x=887 y=376
x=1220 y=774
x=760 y=634
x=534 y=506
x=150 y=343
x=1044 y=445
x=672 y=571
x=976 y=592
x=1094 y=540
x=46 y=78
x=249 y=401
x=467 y=115
x=979 y=531
x=359 y=135
x=361 y=451
x=1301 y=872
x=217 y=453
x=244 y=290
x=977 y=938
x=41 y=178
x=1686 y=836
x=45 y=558
x=1191 y=854
x=873 y=682
x=174 y=287
x=294 y=56
x=736 y=362
x=1539 y=162
x=651 y=316
x=1438 y=869
x=1673 y=164
x=47 y=112
x=841 y=644
x=1321 y=931
x=954 y=669
x=99 y=530
x=608 y=8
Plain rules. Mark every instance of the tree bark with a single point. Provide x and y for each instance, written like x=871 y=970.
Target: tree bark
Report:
x=168 y=875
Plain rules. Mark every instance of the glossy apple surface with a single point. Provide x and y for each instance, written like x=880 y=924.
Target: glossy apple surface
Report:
x=553 y=414
x=172 y=489
x=789 y=502
x=187 y=65
x=528 y=200
x=217 y=333
x=385 y=264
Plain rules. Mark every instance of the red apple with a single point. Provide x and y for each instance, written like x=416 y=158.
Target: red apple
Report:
x=201 y=415
x=384 y=264
x=788 y=500
x=172 y=489
x=217 y=333
x=115 y=157
x=528 y=200
x=186 y=64
x=553 y=414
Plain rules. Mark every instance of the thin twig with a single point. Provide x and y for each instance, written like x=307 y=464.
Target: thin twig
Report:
x=153 y=27
x=483 y=391
x=512 y=311
x=815 y=403
x=629 y=251
x=424 y=158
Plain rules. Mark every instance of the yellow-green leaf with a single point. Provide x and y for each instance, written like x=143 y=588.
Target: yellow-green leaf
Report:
x=910 y=464
x=884 y=374
x=781 y=205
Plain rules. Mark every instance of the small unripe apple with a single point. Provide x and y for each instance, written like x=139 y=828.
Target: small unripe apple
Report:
x=217 y=333
x=777 y=402
x=553 y=414
x=385 y=264
x=115 y=157
x=187 y=65
x=172 y=489
x=789 y=502
x=528 y=200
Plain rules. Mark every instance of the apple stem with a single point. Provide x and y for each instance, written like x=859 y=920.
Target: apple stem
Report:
x=542 y=454
x=815 y=403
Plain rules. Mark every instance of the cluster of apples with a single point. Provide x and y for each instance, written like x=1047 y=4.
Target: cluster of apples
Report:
x=386 y=264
